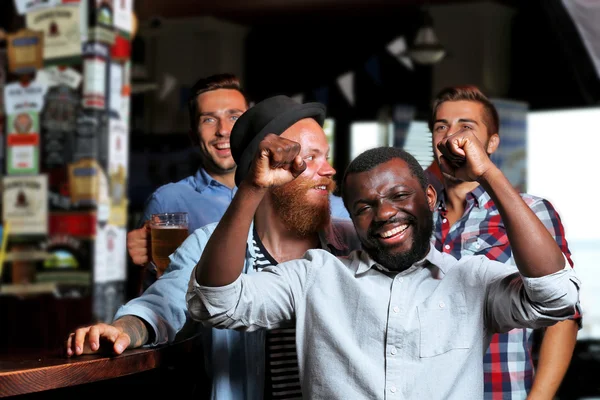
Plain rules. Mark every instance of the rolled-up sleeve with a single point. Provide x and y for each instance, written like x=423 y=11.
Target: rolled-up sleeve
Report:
x=267 y=299
x=515 y=301
x=213 y=304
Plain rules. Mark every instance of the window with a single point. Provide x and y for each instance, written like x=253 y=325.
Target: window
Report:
x=562 y=152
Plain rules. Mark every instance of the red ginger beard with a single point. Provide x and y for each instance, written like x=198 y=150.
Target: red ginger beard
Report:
x=297 y=212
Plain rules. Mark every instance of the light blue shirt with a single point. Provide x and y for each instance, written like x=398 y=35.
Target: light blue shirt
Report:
x=235 y=360
x=363 y=332
x=201 y=196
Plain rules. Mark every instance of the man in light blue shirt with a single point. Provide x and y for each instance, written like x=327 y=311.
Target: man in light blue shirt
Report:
x=296 y=219
x=214 y=106
x=398 y=319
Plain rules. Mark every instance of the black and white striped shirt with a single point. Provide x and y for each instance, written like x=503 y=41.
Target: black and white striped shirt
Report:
x=282 y=379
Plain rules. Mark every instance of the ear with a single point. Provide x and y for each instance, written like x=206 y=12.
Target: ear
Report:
x=431 y=195
x=493 y=143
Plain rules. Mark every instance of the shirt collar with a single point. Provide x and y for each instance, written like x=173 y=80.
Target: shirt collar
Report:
x=433 y=259
x=479 y=196
x=202 y=180
x=328 y=237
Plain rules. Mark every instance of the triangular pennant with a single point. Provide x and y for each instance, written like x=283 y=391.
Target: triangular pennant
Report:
x=346 y=84
x=299 y=98
x=397 y=48
x=374 y=69
x=322 y=94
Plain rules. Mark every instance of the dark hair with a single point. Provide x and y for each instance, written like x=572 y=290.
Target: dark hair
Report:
x=208 y=84
x=372 y=158
x=467 y=93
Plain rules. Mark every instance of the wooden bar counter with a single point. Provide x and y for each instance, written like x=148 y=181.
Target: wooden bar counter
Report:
x=175 y=369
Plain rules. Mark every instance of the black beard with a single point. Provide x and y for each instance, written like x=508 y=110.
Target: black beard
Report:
x=399 y=262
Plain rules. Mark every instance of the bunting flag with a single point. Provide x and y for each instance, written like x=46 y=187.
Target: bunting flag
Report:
x=322 y=94
x=299 y=98
x=374 y=69
x=397 y=48
x=169 y=83
x=346 y=84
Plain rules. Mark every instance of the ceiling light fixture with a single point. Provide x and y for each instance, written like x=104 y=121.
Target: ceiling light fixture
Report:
x=426 y=49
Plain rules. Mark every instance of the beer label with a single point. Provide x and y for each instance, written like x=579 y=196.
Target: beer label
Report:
x=23 y=104
x=123 y=16
x=25 y=51
x=25 y=204
x=91 y=139
x=83 y=182
x=118 y=162
x=80 y=225
x=59 y=120
x=19 y=98
x=110 y=262
x=25 y=6
x=101 y=22
x=22 y=143
x=95 y=75
x=68 y=262
x=94 y=83
x=116 y=90
x=53 y=76
x=62 y=35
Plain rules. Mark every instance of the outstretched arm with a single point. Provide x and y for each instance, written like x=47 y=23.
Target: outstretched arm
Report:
x=534 y=249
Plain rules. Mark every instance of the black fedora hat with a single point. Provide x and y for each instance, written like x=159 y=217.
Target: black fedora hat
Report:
x=272 y=115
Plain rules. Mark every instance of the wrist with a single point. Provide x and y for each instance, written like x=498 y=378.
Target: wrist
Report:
x=252 y=188
x=490 y=174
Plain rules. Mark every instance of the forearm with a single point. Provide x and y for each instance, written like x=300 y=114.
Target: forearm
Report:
x=534 y=249
x=555 y=355
x=223 y=257
x=135 y=328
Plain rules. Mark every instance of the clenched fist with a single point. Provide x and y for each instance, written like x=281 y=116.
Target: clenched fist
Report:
x=277 y=162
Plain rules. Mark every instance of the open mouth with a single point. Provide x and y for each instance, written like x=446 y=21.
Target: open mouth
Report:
x=223 y=146
x=393 y=232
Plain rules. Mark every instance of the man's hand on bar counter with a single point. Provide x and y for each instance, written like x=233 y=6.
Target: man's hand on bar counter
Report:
x=125 y=333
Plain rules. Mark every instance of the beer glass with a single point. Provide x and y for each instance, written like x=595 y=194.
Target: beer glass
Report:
x=167 y=232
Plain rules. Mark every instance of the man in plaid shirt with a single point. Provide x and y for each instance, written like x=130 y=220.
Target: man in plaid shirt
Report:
x=467 y=222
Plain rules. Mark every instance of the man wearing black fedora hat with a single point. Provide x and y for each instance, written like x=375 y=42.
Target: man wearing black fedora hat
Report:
x=292 y=219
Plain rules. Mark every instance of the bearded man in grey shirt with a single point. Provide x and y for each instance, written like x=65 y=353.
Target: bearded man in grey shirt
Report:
x=398 y=319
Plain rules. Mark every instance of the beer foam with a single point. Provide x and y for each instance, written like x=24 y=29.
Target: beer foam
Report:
x=168 y=227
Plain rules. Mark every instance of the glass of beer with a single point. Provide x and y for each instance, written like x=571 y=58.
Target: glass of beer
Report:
x=167 y=232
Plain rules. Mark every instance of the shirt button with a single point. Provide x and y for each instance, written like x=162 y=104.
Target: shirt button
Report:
x=393 y=389
x=477 y=245
x=400 y=280
x=396 y=309
x=442 y=304
x=394 y=351
x=447 y=247
x=444 y=220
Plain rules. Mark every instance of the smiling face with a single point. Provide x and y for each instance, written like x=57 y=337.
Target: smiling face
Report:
x=217 y=111
x=303 y=204
x=392 y=214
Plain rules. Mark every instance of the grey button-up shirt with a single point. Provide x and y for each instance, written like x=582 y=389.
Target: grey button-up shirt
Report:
x=365 y=333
